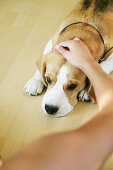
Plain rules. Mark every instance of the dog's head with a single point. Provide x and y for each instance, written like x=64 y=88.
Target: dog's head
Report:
x=63 y=82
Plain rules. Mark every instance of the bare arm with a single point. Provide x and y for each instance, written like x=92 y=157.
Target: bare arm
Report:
x=102 y=83
x=99 y=130
x=80 y=57
x=85 y=148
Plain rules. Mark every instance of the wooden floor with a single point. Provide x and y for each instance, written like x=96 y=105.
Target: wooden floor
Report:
x=25 y=28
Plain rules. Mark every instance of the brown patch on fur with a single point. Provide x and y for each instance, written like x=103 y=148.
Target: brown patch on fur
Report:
x=75 y=76
x=75 y=73
x=53 y=61
x=41 y=64
x=50 y=65
x=107 y=24
x=72 y=94
x=53 y=79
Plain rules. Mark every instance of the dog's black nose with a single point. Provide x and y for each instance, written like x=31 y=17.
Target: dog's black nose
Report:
x=51 y=109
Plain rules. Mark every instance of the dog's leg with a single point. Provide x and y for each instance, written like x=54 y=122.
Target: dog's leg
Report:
x=107 y=66
x=35 y=85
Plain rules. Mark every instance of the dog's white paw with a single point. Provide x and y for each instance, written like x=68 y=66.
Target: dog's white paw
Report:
x=83 y=96
x=34 y=87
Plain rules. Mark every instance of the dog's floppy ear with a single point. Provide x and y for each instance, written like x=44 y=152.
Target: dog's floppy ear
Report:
x=41 y=64
x=91 y=93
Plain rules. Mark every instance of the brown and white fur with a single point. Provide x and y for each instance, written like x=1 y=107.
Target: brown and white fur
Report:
x=57 y=74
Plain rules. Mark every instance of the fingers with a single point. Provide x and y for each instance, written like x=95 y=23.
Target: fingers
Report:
x=66 y=43
x=66 y=46
x=61 y=49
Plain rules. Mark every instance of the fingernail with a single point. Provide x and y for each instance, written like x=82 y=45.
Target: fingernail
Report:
x=76 y=39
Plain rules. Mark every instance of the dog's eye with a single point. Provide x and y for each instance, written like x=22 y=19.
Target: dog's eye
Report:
x=72 y=87
x=48 y=80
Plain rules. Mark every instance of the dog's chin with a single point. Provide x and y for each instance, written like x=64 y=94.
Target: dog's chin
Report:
x=57 y=114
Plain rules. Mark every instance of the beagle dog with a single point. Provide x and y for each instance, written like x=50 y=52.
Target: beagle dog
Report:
x=92 y=22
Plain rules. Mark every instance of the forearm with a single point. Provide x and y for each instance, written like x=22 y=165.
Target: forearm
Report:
x=99 y=139
x=91 y=144
x=103 y=85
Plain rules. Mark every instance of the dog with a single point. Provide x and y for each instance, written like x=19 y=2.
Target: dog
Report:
x=92 y=22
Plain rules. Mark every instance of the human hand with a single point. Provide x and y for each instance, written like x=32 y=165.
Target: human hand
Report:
x=76 y=52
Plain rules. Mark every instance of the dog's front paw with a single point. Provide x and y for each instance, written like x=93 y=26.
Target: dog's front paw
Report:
x=83 y=96
x=34 y=87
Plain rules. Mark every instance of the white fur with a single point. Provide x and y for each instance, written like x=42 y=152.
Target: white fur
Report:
x=83 y=95
x=48 y=47
x=35 y=85
x=56 y=95
x=107 y=65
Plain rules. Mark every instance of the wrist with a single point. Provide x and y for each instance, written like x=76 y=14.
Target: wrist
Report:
x=88 y=64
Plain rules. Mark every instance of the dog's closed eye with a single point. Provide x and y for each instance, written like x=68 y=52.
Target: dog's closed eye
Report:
x=48 y=80
x=72 y=86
